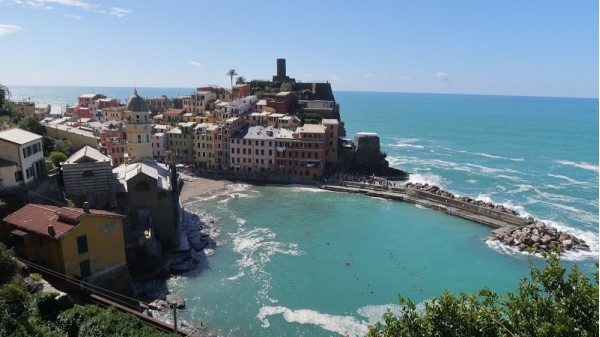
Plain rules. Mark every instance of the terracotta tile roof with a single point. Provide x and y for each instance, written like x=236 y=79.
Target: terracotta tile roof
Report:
x=36 y=218
x=173 y=112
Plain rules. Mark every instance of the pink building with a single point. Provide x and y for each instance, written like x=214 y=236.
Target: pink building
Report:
x=113 y=137
x=252 y=149
x=159 y=146
x=228 y=128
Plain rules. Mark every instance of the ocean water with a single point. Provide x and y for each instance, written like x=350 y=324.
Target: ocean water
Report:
x=298 y=261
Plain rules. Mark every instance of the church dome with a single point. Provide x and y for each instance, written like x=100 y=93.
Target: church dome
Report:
x=135 y=103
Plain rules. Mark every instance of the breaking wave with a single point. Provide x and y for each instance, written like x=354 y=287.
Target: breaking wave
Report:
x=342 y=325
x=581 y=165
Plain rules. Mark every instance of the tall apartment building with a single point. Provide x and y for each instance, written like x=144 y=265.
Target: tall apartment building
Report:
x=301 y=152
x=205 y=135
x=252 y=149
x=227 y=128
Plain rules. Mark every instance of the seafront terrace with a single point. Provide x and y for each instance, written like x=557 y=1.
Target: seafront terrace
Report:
x=482 y=215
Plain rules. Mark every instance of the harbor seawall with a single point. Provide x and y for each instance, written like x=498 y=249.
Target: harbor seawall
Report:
x=482 y=215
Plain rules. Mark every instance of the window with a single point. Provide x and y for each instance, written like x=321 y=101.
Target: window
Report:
x=87 y=174
x=82 y=245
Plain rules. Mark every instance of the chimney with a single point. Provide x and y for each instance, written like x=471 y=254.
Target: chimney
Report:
x=51 y=230
x=86 y=207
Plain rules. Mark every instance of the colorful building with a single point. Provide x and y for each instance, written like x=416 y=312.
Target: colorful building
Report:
x=82 y=243
x=253 y=149
x=23 y=151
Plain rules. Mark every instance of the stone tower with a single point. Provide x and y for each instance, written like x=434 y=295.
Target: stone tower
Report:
x=138 y=126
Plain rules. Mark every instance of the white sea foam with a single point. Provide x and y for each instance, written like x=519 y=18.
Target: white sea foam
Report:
x=483 y=154
x=374 y=313
x=472 y=181
x=427 y=178
x=492 y=171
x=576 y=213
x=256 y=247
x=309 y=189
x=581 y=165
x=484 y=197
x=406 y=142
x=570 y=180
x=498 y=157
x=342 y=325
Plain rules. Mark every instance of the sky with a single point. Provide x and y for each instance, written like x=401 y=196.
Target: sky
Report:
x=501 y=47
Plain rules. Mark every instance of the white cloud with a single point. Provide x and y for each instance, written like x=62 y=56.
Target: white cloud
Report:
x=196 y=63
x=96 y=8
x=8 y=29
x=73 y=16
x=442 y=76
x=119 y=12
x=368 y=75
x=406 y=78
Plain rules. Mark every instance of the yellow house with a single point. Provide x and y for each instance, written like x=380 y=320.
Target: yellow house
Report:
x=83 y=243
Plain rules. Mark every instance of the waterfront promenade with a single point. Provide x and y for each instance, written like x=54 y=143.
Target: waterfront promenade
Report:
x=482 y=215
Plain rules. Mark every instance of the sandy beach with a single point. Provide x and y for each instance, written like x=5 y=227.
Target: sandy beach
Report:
x=200 y=187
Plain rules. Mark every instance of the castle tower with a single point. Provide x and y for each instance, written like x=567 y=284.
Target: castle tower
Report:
x=138 y=126
x=281 y=68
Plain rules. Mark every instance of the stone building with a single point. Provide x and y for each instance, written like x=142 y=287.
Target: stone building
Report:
x=87 y=176
x=146 y=190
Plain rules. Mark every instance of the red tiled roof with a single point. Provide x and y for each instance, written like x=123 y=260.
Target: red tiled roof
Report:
x=36 y=218
x=173 y=112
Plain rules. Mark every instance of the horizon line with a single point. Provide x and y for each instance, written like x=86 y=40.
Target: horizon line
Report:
x=363 y=90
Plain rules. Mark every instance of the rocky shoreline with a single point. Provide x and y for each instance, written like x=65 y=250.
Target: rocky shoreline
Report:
x=535 y=236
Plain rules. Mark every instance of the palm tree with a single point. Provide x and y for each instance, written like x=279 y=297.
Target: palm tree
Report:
x=231 y=73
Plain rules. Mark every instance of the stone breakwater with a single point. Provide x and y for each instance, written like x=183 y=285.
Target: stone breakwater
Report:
x=539 y=238
x=534 y=236
x=436 y=190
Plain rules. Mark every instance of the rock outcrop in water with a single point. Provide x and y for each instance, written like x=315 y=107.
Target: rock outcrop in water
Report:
x=539 y=238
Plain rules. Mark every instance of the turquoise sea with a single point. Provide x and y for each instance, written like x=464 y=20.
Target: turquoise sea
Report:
x=298 y=261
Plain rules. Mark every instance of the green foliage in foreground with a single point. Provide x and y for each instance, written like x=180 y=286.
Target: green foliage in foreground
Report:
x=549 y=303
x=24 y=313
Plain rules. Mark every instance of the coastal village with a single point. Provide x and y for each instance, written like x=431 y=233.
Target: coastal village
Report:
x=110 y=212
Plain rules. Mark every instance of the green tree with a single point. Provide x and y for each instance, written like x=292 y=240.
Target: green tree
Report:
x=240 y=80
x=546 y=304
x=4 y=94
x=63 y=145
x=8 y=264
x=231 y=73
x=32 y=125
x=57 y=157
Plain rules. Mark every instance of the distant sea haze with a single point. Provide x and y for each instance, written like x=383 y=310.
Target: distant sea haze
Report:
x=300 y=261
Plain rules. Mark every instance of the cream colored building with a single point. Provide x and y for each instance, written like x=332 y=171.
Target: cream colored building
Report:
x=24 y=150
x=138 y=126
x=205 y=135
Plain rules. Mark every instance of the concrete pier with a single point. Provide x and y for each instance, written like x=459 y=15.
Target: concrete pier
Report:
x=454 y=207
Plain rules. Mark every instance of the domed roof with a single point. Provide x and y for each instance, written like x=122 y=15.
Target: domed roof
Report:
x=135 y=103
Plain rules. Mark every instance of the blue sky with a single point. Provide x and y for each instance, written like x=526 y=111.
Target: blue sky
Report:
x=533 y=47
